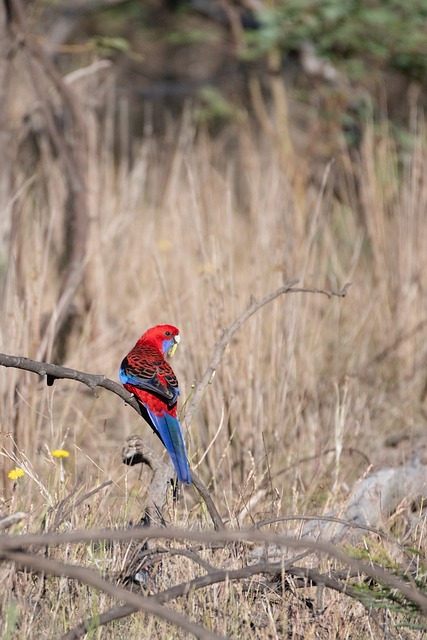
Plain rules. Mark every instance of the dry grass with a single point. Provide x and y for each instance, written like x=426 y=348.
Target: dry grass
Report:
x=186 y=233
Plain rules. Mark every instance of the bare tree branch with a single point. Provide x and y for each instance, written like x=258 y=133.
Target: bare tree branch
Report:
x=228 y=333
x=55 y=372
x=407 y=589
x=93 y=579
x=215 y=577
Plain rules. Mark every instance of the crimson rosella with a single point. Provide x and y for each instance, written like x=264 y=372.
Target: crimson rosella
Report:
x=145 y=373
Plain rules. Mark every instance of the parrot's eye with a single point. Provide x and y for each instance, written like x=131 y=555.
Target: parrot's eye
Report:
x=168 y=333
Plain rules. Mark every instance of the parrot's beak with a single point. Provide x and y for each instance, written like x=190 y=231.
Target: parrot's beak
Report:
x=174 y=347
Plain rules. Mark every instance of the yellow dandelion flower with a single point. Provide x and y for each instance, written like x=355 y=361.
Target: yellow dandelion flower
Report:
x=60 y=453
x=16 y=473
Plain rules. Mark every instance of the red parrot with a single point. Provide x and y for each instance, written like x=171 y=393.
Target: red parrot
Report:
x=145 y=373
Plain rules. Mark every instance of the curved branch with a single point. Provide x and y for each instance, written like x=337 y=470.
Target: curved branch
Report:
x=215 y=577
x=10 y=544
x=56 y=372
x=93 y=579
x=205 y=495
x=228 y=333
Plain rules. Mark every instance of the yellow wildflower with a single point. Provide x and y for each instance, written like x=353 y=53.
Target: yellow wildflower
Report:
x=16 y=473
x=60 y=453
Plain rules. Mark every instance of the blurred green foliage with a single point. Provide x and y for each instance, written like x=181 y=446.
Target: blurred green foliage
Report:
x=381 y=32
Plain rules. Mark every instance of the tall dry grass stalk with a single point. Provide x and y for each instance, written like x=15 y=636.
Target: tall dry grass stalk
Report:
x=186 y=231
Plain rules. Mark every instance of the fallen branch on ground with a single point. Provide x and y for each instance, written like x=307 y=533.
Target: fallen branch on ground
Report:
x=13 y=548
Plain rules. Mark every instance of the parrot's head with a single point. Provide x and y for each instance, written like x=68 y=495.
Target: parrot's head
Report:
x=164 y=336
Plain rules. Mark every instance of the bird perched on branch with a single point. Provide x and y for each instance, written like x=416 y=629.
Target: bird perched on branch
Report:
x=145 y=373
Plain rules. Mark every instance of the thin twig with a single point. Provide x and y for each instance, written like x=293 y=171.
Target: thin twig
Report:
x=228 y=333
x=300 y=461
x=62 y=515
x=330 y=518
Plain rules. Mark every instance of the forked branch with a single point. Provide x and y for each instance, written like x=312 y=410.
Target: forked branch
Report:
x=228 y=333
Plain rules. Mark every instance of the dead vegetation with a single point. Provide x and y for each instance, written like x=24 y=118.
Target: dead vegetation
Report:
x=308 y=394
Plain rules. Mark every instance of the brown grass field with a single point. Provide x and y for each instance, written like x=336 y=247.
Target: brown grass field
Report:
x=309 y=389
